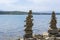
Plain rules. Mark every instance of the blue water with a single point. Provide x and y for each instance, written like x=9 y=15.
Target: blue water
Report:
x=12 y=26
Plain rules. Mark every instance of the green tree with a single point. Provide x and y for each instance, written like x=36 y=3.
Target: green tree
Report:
x=28 y=26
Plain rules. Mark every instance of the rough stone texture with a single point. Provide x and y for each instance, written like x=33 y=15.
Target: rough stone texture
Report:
x=28 y=26
x=53 y=28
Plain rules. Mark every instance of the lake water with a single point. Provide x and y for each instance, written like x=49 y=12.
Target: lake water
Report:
x=12 y=26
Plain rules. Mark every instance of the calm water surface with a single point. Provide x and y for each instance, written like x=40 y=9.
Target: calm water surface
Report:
x=12 y=26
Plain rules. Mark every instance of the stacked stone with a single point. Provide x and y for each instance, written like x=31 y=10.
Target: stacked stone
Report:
x=28 y=26
x=53 y=28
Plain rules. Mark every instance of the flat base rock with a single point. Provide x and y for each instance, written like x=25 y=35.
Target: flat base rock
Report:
x=54 y=31
x=30 y=39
